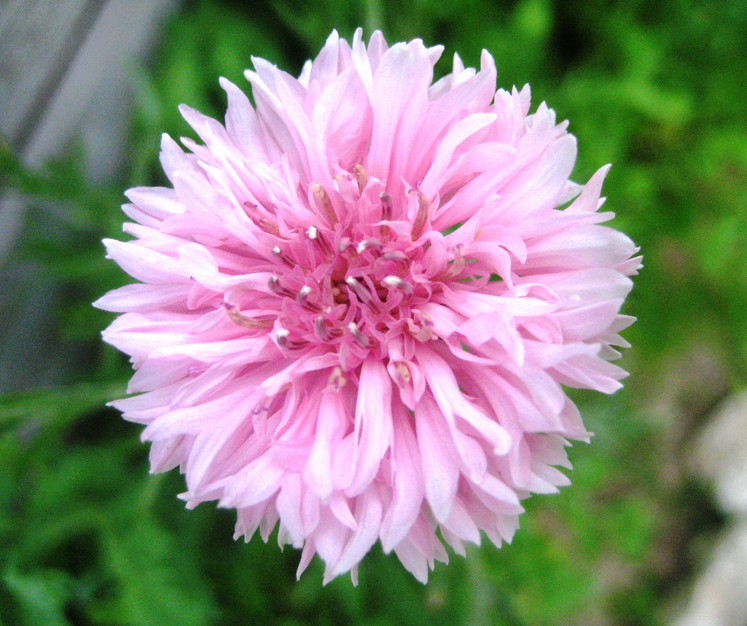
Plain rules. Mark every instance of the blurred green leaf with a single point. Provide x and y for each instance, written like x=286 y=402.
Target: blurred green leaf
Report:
x=56 y=407
x=42 y=596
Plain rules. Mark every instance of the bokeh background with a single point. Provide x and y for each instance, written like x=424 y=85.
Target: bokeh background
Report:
x=656 y=87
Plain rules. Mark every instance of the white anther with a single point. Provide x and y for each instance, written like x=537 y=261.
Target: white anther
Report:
x=396 y=255
x=282 y=256
x=363 y=294
x=375 y=244
x=398 y=283
x=284 y=341
x=281 y=336
x=325 y=204
x=303 y=299
x=344 y=244
x=386 y=206
x=336 y=379
x=359 y=337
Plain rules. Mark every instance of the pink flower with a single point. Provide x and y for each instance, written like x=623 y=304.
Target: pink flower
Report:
x=359 y=303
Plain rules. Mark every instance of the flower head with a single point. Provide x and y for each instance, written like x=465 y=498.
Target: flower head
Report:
x=359 y=302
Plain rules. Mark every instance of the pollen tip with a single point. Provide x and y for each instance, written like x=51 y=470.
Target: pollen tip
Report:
x=345 y=243
x=336 y=379
x=359 y=337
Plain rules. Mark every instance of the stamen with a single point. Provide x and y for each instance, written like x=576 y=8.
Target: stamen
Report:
x=325 y=204
x=274 y=284
x=386 y=214
x=238 y=318
x=260 y=220
x=403 y=375
x=282 y=336
x=282 y=256
x=303 y=299
x=345 y=243
x=336 y=379
x=324 y=331
x=359 y=337
x=361 y=176
x=423 y=207
x=398 y=283
x=370 y=243
x=320 y=239
x=453 y=268
x=386 y=206
x=364 y=295
x=423 y=332
x=321 y=329
x=396 y=255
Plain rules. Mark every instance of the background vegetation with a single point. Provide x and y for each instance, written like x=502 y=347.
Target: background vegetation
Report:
x=656 y=87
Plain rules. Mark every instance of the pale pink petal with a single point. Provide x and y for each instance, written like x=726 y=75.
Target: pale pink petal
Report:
x=438 y=457
x=146 y=265
x=408 y=486
x=144 y=297
x=399 y=100
x=331 y=427
x=373 y=423
x=368 y=512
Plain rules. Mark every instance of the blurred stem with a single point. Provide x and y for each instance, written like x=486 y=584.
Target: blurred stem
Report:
x=149 y=492
x=374 y=16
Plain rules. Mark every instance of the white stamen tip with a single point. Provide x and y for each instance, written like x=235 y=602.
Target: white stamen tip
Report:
x=359 y=337
x=276 y=250
x=344 y=244
x=396 y=281
x=282 y=333
x=312 y=232
x=304 y=291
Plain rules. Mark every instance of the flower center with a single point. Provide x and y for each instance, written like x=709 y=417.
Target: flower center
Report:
x=342 y=287
x=355 y=278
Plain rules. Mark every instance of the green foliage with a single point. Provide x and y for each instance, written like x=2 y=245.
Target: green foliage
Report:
x=89 y=538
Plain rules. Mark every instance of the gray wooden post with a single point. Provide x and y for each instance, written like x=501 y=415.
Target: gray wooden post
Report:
x=63 y=75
